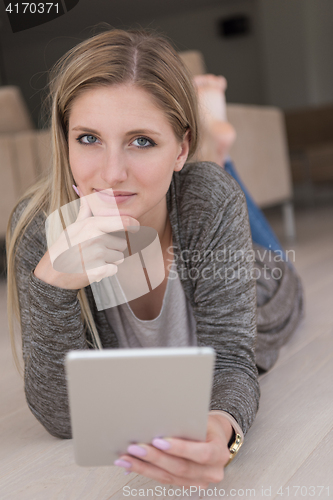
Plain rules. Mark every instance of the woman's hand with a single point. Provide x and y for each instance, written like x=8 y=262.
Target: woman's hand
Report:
x=181 y=462
x=85 y=251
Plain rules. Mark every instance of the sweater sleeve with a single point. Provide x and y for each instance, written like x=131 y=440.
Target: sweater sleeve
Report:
x=215 y=260
x=51 y=325
x=225 y=308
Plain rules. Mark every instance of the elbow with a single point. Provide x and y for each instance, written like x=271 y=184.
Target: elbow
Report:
x=58 y=433
x=56 y=423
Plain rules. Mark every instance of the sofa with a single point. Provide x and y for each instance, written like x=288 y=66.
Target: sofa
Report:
x=24 y=151
x=310 y=140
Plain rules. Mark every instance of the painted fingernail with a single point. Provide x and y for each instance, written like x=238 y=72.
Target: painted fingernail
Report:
x=138 y=451
x=76 y=190
x=122 y=463
x=161 y=444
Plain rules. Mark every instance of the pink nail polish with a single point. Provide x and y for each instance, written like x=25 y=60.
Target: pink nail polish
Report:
x=122 y=463
x=76 y=190
x=161 y=444
x=138 y=451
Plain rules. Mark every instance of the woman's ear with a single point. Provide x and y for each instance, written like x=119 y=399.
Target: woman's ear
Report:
x=184 y=150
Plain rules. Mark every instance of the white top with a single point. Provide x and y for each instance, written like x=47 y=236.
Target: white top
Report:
x=175 y=326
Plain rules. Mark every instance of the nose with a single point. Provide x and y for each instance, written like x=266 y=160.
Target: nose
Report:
x=114 y=170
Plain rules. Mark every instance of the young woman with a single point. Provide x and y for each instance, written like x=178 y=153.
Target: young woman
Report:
x=125 y=121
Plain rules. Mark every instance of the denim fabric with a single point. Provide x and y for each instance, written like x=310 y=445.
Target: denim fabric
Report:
x=261 y=231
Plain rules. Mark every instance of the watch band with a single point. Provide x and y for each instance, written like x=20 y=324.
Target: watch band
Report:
x=237 y=442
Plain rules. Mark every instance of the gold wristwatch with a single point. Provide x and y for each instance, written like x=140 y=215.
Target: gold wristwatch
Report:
x=237 y=438
x=235 y=446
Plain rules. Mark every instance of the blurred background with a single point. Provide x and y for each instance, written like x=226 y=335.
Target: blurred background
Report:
x=281 y=56
x=273 y=54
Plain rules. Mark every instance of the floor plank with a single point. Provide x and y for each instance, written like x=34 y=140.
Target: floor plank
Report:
x=312 y=476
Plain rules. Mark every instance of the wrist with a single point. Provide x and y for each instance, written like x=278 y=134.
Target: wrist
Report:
x=235 y=425
x=45 y=272
x=237 y=437
x=225 y=424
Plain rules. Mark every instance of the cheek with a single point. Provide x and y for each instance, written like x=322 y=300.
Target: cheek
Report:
x=82 y=166
x=155 y=167
x=151 y=174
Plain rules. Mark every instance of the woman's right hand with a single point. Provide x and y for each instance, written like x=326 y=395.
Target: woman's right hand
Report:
x=85 y=252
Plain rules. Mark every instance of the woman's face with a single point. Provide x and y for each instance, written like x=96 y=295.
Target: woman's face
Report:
x=120 y=141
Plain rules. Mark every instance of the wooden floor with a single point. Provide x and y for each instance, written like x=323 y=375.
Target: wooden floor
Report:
x=288 y=452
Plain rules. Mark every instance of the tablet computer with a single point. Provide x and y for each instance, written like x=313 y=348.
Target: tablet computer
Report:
x=122 y=396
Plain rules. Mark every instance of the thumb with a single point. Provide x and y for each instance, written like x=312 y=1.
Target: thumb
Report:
x=84 y=211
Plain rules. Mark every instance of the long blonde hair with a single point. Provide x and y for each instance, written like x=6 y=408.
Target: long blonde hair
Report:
x=140 y=57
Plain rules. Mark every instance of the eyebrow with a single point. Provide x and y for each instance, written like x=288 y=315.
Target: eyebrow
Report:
x=131 y=132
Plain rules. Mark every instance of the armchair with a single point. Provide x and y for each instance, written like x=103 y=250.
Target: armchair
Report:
x=24 y=151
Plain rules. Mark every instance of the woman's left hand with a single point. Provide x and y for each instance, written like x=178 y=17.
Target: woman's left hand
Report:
x=181 y=462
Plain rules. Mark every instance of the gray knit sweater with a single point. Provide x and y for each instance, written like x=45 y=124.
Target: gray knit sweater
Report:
x=211 y=239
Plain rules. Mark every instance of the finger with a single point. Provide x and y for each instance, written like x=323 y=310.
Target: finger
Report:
x=130 y=224
x=200 y=452
x=178 y=467
x=98 y=257
x=114 y=257
x=152 y=471
x=106 y=240
x=95 y=230
x=99 y=273
x=109 y=224
x=114 y=242
x=84 y=211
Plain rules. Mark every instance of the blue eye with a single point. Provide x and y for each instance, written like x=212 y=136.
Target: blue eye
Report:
x=89 y=139
x=143 y=142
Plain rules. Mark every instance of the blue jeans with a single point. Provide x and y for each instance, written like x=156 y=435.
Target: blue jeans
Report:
x=261 y=231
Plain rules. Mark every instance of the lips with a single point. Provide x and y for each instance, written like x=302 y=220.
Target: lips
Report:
x=111 y=192
x=109 y=196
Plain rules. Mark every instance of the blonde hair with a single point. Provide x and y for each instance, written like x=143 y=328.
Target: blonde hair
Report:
x=139 y=57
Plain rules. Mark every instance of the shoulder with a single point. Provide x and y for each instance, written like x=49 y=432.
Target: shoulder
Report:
x=21 y=207
x=205 y=186
x=205 y=204
x=33 y=226
x=18 y=212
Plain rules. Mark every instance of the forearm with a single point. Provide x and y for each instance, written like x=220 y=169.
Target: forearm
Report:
x=236 y=391
x=53 y=328
x=51 y=325
x=226 y=314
